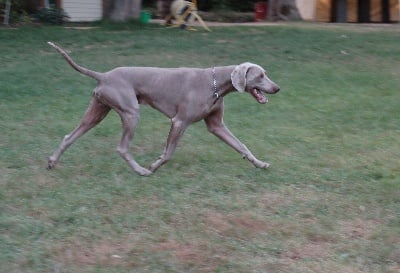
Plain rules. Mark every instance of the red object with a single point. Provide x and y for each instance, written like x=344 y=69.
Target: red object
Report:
x=260 y=11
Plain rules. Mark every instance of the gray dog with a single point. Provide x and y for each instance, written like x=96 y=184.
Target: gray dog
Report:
x=185 y=95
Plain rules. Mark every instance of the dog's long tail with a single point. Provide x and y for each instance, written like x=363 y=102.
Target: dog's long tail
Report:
x=93 y=74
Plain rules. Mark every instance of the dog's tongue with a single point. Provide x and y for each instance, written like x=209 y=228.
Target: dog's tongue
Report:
x=259 y=96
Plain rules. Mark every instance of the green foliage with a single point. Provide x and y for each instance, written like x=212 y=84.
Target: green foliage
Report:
x=206 y=5
x=17 y=12
x=239 y=5
x=234 y=5
x=52 y=15
x=149 y=3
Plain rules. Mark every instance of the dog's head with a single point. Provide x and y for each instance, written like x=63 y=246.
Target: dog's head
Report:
x=252 y=78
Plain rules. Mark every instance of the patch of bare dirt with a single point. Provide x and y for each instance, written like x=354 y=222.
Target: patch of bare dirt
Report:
x=270 y=199
x=105 y=253
x=234 y=226
x=194 y=254
x=357 y=228
x=309 y=250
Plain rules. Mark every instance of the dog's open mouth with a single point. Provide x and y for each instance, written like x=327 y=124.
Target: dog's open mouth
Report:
x=259 y=96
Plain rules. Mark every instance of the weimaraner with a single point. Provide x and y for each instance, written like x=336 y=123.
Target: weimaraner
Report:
x=185 y=95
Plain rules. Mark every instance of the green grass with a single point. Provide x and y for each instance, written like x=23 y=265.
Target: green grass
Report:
x=329 y=203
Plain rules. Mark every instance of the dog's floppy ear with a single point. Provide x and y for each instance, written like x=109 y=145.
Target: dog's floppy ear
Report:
x=238 y=76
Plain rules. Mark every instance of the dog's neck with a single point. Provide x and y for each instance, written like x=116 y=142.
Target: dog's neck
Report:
x=223 y=80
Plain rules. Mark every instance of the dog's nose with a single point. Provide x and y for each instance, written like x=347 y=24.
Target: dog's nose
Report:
x=276 y=89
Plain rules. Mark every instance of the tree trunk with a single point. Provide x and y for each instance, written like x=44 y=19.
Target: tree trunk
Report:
x=122 y=10
x=284 y=10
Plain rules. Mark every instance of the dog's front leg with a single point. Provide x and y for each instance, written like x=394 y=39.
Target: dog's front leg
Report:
x=216 y=126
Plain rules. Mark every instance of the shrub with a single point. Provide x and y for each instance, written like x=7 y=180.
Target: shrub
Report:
x=17 y=14
x=206 y=5
x=52 y=15
x=239 y=5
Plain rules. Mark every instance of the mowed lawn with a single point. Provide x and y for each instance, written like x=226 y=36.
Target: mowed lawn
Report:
x=330 y=201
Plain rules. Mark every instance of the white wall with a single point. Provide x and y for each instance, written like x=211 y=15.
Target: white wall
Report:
x=83 y=11
x=307 y=9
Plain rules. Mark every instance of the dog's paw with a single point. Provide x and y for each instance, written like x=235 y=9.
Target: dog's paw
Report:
x=266 y=165
x=143 y=171
x=262 y=165
x=51 y=164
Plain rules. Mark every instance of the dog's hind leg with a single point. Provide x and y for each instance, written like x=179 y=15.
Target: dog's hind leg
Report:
x=178 y=127
x=95 y=113
x=129 y=121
